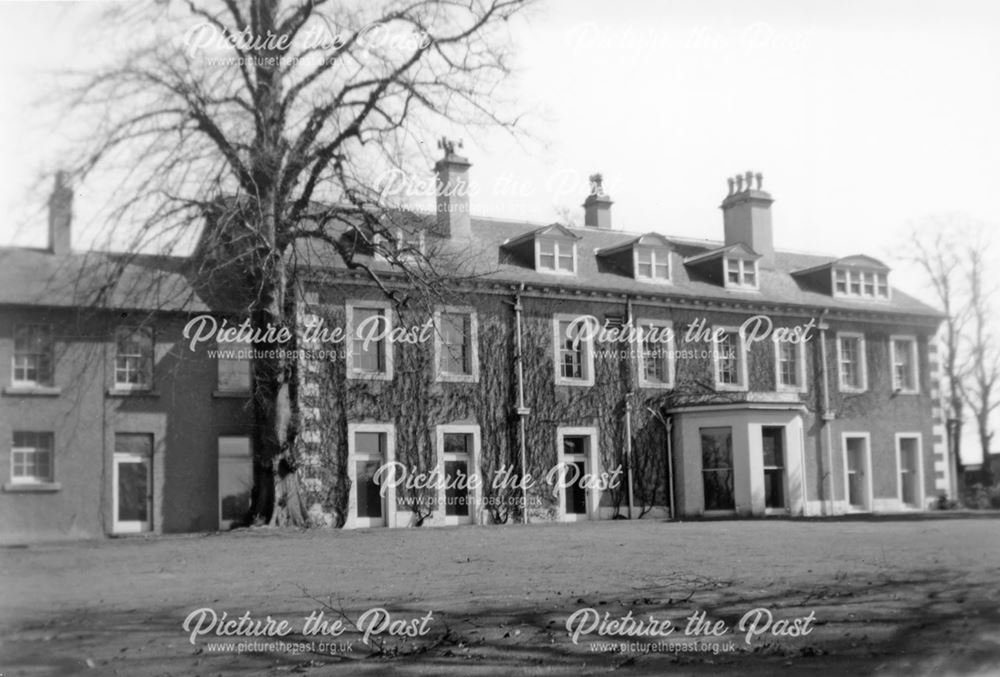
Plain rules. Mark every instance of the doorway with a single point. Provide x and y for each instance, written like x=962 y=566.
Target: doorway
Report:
x=132 y=484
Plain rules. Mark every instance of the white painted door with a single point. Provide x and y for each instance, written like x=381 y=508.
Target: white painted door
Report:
x=857 y=474
x=369 y=454
x=576 y=503
x=132 y=493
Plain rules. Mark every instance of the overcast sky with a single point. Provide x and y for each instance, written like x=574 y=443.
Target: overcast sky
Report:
x=862 y=116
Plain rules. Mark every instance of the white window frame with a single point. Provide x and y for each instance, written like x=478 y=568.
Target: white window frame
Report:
x=862 y=362
x=654 y=254
x=475 y=491
x=351 y=371
x=800 y=366
x=588 y=354
x=439 y=374
x=36 y=382
x=140 y=387
x=897 y=388
x=558 y=244
x=862 y=274
x=591 y=467
x=664 y=345
x=744 y=264
x=407 y=248
x=921 y=494
x=869 y=485
x=246 y=364
x=51 y=450
x=389 y=509
x=888 y=290
x=741 y=367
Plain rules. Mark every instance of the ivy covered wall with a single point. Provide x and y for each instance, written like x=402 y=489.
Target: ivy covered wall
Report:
x=415 y=403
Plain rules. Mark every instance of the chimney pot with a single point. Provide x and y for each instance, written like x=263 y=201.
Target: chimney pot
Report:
x=597 y=205
x=746 y=216
x=61 y=215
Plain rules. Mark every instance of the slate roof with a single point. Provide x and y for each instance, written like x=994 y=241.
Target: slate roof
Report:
x=36 y=277
x=777 y=284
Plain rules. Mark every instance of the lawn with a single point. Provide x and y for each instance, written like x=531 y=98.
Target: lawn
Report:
x=916 y=596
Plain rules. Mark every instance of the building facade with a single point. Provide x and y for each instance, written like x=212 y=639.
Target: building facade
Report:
x=576 y=373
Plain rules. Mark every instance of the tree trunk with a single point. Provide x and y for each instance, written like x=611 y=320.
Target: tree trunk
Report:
x=277 y=496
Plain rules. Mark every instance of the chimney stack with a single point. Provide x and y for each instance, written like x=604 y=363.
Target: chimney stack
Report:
x=597 y=206
x=452 y=185
x=746 y=215
x=61 y=215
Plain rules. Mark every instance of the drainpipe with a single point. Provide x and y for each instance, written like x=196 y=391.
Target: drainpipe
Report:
x=670 y=465
x=628 y=451
x=522 y=411
x=824 y=439
x=628 y=410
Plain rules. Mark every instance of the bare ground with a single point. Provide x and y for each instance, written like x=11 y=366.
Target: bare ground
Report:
x=907 y=597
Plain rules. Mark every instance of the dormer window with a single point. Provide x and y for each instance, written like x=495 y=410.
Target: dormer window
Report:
x=555 y=256
x=860 y=283
x=550 y=249
x=852 y=277
x=740 y=273
x=645 y=258
x=733 y=266
x=410 y=243
x=652 y=263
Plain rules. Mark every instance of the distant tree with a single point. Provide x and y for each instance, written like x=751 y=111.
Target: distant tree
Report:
x=981 y=385
x=933 y=248
x=950 y=251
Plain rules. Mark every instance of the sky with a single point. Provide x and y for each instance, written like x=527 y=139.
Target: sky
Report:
x=864 y=117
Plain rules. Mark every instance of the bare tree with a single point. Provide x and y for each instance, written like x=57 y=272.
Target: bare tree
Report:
x=934 y=247
x=269 y=125
x=981 y=385
x=952 y=253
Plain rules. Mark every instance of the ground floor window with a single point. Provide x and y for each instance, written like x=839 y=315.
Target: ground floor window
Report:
x=31 y=458
x=235 y=479
x=717 y=468
x=370 y=446
x=577 y=458
x=773 y=446
x=458 y=448
x=575 y=495
x=908 y=456
x=857 y=469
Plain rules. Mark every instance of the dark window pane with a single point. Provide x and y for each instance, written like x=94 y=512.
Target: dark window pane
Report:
x=369 y=499
x=133 y=478
x=719 y=490
x=574 y=444
x=717 y=463
x=773 y=440
x=457 y=443
x=774 y=488
x=576 y=495
x=456 y=491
